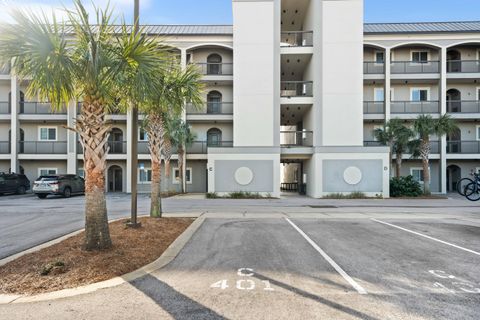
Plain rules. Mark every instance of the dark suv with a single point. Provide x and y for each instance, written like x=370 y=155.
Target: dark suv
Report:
x=14 y=183
x=60 y=184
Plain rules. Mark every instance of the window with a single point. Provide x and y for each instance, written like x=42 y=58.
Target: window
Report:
x=81 y=173
x=379 y=95
x=47 y=171
x=418 y=94
x=214 y=137
x=375 y=128
x=477 y=170
x=420 y=56
x=379 y=57
x=478 y=133
x=176 y=176
x=144 y=176
x=478 y=93
x=417 y=174
x=142 y=135
x=47 y=133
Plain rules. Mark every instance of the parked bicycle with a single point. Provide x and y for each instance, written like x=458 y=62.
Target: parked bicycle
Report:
x=463 y=183
x=472 y=190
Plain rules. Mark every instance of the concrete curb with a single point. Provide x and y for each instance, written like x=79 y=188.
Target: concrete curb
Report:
x=172 y=251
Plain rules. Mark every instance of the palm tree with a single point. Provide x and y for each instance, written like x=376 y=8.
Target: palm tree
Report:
x=425 y=126
x=91 y=62
x=397 y=136
x=182 y=137
x=178 y=87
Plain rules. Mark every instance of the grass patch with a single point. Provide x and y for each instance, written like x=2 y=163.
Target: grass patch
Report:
x=239 y=195
x=353 y=195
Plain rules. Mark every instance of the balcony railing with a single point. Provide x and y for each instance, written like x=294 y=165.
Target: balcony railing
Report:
x=373 y=107
x=373 y=67
x=415 y=107
x=463 y=66
x=463 y=147
x=39 y=108
x=434 y=145
x=296 y=138
x=211 y=108
x=4 y=147
x=215 y=69
x=296 y=39
x=42 y=147
x=290 y=89
x=463 y=106
x=111 y=111
x=4 y=107
x=399 y=67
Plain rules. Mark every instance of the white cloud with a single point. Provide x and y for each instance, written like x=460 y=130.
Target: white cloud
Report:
x=121 y=8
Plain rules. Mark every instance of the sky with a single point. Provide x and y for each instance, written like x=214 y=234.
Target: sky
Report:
x=220 y=11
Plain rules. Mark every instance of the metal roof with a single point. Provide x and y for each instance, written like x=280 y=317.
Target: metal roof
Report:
x=369 y=28
x=422 y=27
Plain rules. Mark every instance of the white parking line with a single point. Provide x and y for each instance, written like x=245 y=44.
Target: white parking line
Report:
x=352 y=282
x=428 y=237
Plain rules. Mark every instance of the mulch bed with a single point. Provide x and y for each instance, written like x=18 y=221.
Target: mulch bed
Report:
x=66 y=265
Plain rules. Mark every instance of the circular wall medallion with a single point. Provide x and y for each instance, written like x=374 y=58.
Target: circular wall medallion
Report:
x=352 y=175
x=243 y=176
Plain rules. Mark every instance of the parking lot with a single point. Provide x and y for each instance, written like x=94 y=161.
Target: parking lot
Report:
x=329 y=266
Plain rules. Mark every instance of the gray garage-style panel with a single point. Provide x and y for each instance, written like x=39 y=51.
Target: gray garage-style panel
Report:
x=262 y=175
x=371 y=172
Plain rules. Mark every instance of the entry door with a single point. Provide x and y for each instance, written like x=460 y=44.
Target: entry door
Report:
x=117 y=180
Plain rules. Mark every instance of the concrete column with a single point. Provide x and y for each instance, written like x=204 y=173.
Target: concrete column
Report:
x=443 y=110
x=15 y=124
x=388 y=84
x=71 y=139
x=129 y=151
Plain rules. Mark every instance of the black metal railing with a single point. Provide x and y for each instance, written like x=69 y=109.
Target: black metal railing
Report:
x=373 y=107
x=39 y=108
x=211 y=108
x=42 y=147
x=415 y=107
x=117 y=147
x=4 y=107
x=290 y=89
x=463 y=147
x=463 y=66
x=296 y=39
x=5 y=147
x=373 y=67
x=398 y=67
x=434 y=145
x=110 y=111
x=296 y=138
x=463 y=106
x=215 y=69
x=373 y=144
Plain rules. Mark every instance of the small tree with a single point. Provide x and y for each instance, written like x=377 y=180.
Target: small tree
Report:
x=181 y=137
x=424 y=127
x=397 y=136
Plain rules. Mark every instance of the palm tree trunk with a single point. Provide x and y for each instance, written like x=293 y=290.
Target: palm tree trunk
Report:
x=181 y=169
x=398 y=165
x=94 y=132
x=155 y=132
x=156 y=200
x=424 y=153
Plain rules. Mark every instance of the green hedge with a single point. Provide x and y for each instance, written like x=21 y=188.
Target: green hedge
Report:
x=405 y=187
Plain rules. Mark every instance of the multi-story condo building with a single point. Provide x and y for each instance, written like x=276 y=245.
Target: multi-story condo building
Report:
x=293 y=92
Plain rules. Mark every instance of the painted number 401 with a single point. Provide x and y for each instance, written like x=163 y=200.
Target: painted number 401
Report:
x=243 y=284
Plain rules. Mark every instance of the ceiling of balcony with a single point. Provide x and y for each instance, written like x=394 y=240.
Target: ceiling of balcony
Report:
x=293 y=114
x=293 y=14
x=293 y=66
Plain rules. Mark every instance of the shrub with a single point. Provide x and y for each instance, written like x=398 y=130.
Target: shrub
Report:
x=212 y=195
x=353 y=195
x=405 y=187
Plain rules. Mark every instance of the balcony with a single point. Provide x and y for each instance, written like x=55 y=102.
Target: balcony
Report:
x=4 y=147
x=409 y=67
x=373 y=107
x=4 y=107
x=42 y=147
x=416 y=107
x=214 y=108
x=215 y=69
x=463 y=147
x=42 y=108
x=434 y=145
x=463 y=66
x=296 y=39
x=293 y=89
x=373 y=67
x=463 y=106
x=292 y=139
